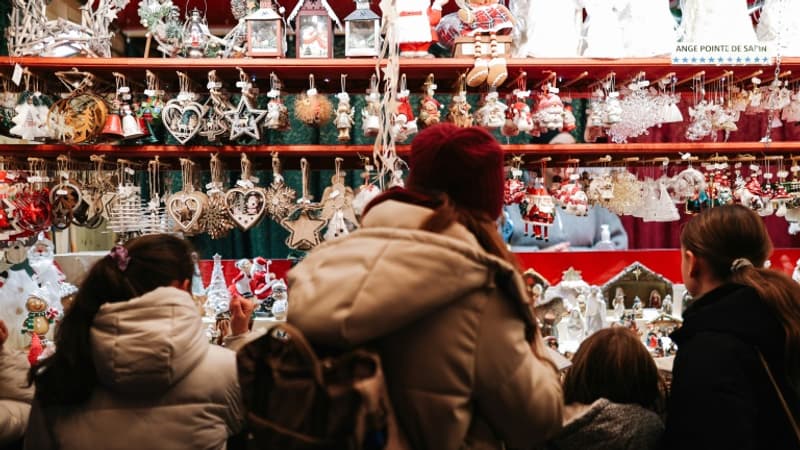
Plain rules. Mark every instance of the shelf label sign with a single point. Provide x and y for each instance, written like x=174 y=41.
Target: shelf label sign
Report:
x=730 y=54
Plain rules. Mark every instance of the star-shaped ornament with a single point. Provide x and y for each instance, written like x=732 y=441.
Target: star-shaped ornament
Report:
x=304 y=230
x=245 y=119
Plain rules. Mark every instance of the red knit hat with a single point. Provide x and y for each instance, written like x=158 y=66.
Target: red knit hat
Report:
x=465 y=163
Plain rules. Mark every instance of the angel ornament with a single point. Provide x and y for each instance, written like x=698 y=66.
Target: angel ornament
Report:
x=337 y=206
x=370 y=115
x=277 y=113
x=344 y=114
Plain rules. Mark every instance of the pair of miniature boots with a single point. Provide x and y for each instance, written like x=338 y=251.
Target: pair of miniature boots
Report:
x=489 y=69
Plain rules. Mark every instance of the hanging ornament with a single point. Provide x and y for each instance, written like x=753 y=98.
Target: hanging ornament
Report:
x=280 y=198
x=549 y=107
x=370 y=114
x=155 y=219
x=344 y=113
x=538 y=209
x=124 y=207
x=183 y=115
x=337 y=205
x=82 y=110
x=403 y=123
x=187 y=206
x=514 y=187
x=312 y=108
x=570 y=195
x=246 y=202
x=458 y=110
x=277 y=113
x=149 y=112
x=218 y=296
x=520 y=110
x=215 y=125
x=31 y=203
x=216 y=221
x=493 y=112
x=429 y=107
x=196 y=36
x=368 y=190
x=303 y=225
x=245 y=119
x=65 y=197
x=130 y=125
x=29 y=124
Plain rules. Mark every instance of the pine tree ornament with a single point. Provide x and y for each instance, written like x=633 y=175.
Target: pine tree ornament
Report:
x=218 y=297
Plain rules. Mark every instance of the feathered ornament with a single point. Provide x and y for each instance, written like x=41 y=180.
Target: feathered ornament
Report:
x=311 y=108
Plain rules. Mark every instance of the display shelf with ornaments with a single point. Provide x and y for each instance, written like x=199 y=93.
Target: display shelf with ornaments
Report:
x=558 y=152
x=578 y=73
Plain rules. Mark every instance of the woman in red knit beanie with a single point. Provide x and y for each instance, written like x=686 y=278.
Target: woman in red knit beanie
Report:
x=428 y=282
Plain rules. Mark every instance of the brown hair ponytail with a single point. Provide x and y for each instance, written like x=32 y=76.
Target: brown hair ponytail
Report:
x=726 y=234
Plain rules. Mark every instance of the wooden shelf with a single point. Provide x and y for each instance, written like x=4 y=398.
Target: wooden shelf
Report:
x=294 y=72
x=558 y=152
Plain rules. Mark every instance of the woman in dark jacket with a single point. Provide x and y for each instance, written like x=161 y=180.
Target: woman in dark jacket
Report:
x=722 y=395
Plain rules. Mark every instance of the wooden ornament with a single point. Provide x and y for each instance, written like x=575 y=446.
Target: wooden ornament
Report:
x=304 y=230
x=338 y=198
x=280 y=197
x=303 y=225
x=186 y=207
x=312 y=108
x=183 y=115
x=246 y=202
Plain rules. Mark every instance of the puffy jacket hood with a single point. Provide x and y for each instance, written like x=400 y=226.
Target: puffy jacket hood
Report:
x=147 y=344
x=389 y=274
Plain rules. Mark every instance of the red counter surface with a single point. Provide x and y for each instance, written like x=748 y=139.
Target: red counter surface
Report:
x=596 y=267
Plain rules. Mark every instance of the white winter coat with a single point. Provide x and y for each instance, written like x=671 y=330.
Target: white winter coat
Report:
x=161 y=384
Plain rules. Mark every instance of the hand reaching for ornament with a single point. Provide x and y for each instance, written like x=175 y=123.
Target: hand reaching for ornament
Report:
x=241 y=311
x=3 y=334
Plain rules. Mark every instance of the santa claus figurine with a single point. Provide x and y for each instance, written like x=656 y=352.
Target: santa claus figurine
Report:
x=241 y=281
x=260 y=278
x=415 y=26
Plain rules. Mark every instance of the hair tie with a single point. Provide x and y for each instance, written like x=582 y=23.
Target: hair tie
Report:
x=120 y=255
x=740 y=263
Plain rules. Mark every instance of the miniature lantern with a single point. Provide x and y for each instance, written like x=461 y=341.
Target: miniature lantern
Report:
x=314 y=28
x=264 y=32
x=195 y=35
x=362 y=31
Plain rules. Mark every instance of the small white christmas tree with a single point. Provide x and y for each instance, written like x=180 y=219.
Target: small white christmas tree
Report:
x=218 y=297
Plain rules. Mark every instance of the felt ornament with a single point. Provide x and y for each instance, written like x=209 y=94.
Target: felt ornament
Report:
x=312 y=108
x=337 y=204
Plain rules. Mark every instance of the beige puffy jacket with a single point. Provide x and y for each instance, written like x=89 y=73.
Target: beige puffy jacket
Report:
x=161 y=384
x=15 y=395
x=449 y=321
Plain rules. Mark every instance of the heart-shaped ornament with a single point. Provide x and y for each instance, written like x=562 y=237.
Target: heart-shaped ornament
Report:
x=185 y=208
x=246 y=205
x=183 y=120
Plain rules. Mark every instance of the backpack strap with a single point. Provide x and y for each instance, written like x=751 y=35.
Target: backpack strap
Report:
x=780 y=396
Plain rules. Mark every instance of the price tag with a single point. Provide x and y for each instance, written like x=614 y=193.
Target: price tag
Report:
x=311 y=92
x=516 y=173
x=254 y=180
x=149 y=92
x=16 y=77
x=553 y=90
x=62 y=192
x=130 y=171
x=244 y=184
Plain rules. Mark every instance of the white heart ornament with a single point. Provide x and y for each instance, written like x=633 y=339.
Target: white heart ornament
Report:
x=185 y=208
x=183 y=121
x=246 y=206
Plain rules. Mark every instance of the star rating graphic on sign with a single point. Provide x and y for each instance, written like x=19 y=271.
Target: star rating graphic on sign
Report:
x=728 y=54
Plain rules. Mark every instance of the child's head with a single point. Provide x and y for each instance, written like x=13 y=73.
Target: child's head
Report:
x=136 y=268
x=613 y=364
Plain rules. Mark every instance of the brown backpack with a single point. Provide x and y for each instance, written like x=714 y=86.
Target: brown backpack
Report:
x=297 y=400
